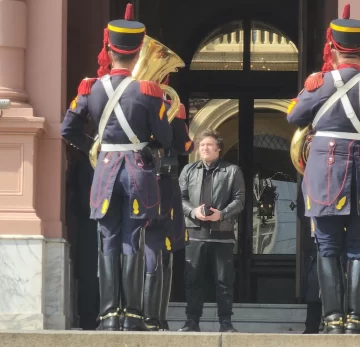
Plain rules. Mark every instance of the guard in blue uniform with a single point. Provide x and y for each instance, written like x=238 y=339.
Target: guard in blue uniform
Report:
x=166 y=235
x=125 y=194
x=331 y=185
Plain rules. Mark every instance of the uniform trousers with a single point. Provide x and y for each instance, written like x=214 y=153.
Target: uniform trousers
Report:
x=119 y=232
x=339 y=235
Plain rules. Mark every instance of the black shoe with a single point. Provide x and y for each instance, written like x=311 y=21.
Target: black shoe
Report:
x=334 y=324
x=152 y=324
x=190 y=326
x=134 y=323
x=311 y=331
x=352 y=325
x=227 y=327
x=164 y=326
x=110 y=323
x=121 y=320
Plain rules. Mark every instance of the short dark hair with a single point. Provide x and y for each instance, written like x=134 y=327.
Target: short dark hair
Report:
x=210 y=133
x=123 y=58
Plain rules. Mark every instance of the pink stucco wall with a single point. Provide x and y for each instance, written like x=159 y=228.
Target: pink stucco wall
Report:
x=33 y=74
x=46 y=85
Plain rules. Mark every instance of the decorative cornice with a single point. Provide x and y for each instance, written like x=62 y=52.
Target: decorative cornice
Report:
x=22 y=124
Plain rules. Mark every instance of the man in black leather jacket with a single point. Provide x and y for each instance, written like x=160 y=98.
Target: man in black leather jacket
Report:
x=213 y=194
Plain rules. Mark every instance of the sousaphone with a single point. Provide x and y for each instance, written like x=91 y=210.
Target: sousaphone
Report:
x=300 y=147
x=155 y=62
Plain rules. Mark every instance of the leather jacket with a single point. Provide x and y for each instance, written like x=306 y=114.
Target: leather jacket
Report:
x=228 y=193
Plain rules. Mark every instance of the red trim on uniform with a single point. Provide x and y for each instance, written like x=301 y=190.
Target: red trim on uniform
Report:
x=332 y=44
x=122 y=51
x=343 y=49
x=330 y=161
x=343 y=66
x=314 y=81
x=86 y=85
x=151 y=88
x=182 y=112
x=103 y=58
x=121 y=72
x=328 y=203
x=99 y=198
x=132 y=174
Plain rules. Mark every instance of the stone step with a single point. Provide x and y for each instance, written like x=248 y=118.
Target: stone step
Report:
x=250 y=318
x=169 y=339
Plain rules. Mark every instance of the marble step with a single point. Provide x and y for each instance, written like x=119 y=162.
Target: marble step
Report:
x=250 y=318
x=169 y=339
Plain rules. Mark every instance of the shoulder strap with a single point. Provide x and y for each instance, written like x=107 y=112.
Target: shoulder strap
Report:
x=341 y=91
x=113 y=100
x=349 y=110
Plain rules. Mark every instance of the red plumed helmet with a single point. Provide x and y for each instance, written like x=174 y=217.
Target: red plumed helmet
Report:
x=346 y=12
x=129 y=12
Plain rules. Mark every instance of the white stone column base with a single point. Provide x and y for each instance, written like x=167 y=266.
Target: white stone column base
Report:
x=35 y=283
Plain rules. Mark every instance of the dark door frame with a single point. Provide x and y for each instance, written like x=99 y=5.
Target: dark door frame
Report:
x=246 y=86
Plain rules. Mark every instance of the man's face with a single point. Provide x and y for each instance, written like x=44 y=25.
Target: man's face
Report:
x=208 y=149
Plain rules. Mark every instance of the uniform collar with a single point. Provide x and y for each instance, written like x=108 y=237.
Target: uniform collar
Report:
x=354 y=66
x=121 y=72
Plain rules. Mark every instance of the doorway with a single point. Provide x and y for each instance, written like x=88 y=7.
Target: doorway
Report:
x=257 y=138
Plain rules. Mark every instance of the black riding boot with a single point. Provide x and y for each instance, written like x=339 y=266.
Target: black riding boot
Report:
x=109 y=284
x=331 y=282
x=133 y=288
x=153 y=294
x=352 y=325
x=121 y=301
x=167 y=279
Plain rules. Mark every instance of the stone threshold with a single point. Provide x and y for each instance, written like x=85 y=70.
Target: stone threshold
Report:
x=169 y=339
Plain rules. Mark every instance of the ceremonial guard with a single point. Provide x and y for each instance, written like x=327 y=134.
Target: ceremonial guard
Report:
x=166 y=235
x=124 y=194
x=331 y=185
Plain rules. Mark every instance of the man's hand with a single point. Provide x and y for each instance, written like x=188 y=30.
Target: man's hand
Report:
x=215 y=216
x=198 y=213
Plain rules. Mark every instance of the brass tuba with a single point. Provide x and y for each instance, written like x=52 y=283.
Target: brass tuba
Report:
x=300 y=147
x=155 y=62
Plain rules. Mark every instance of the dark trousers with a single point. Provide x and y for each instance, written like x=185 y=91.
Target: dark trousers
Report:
x=313 y=317
x=220 y=255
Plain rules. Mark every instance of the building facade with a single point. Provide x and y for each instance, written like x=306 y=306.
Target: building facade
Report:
x=47 y=47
